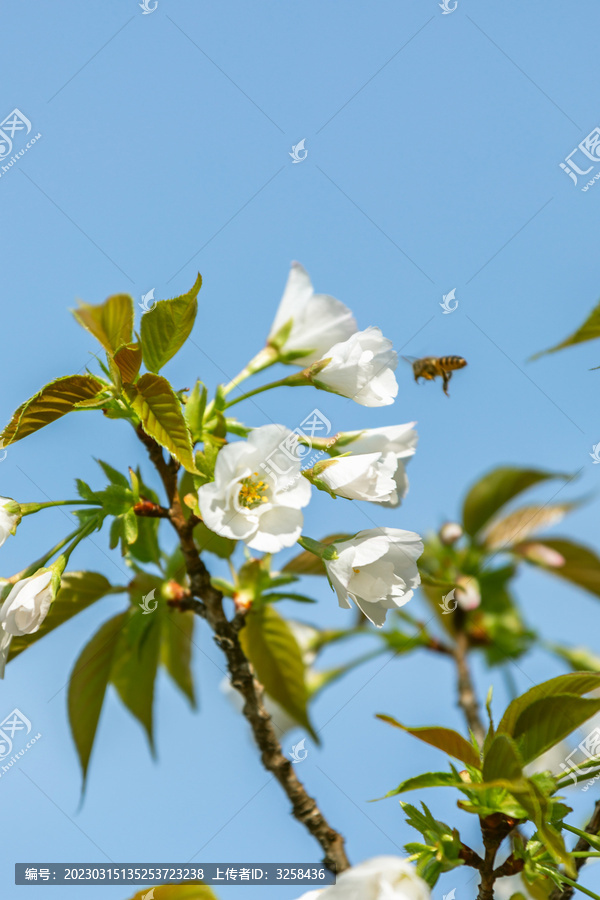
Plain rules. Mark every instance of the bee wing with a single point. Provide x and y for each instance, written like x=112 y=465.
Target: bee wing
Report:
x=410 y=359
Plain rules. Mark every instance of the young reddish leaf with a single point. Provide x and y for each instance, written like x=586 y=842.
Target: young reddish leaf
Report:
x=128 y=360
x=581 y=564
x=110 y=322
x=56 y=399
x=451 y=742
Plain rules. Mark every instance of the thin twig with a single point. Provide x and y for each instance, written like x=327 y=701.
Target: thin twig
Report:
x=467 y=698
x=592 y=827
x=207 y=602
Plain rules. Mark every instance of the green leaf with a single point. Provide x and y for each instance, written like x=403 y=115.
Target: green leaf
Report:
x=429 y=779
x=269 y=644
x=210 y=542
x=56 y=399
x=502 y=760
x=110 y=322
x=78 y=590
x=176 y=650
x=572 y=683
x=113 y=475
x=155 y=402
x=548 y=720
x=136 y=663
x=581 y=566
x=307 y=563
x=275 y=597
x=537 y=807
x=586 y=332
x=167 y=326
x=88 y=684
x=581 y=659
x=494 y=491
x=194 y=410
x=187 y=891
x=445 y=739
x=128 y=360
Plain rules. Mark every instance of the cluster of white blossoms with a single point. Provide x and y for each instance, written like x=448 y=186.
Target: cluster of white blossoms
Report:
x=260 y=488
x=381 y=878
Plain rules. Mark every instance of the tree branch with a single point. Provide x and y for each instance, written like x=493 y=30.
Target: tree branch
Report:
x=494 y=828
x=207 y=602
x=592 y=827
x=467 y=698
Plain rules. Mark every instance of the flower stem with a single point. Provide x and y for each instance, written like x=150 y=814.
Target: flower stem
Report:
x=41 y=562
x=290 y=381
x=265 y=358
x=84 y=532
x=28 y=508
x=592 y=828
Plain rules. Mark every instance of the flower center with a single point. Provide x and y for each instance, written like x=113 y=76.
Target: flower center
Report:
x=252 y=492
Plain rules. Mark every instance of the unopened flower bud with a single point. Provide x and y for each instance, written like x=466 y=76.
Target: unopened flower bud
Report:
x=450 y=532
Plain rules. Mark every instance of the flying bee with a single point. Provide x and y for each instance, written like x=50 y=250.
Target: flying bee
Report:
x=429 y=367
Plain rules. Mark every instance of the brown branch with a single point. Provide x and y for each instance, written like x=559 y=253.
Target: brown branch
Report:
x=467 y=699
x=592 y=827
x=148 y=510
x=470 y=857
x=207 y=602
x=511 y=866
x=437 y=646
x=494 y=828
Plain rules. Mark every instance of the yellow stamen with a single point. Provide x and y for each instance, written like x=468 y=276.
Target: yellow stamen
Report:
x=356 y=571
x=252 y=493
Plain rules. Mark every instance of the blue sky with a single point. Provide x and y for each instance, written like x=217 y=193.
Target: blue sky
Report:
x=434 y=143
